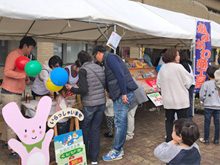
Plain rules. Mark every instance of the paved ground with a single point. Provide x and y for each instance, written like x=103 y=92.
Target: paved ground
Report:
x=149 y=133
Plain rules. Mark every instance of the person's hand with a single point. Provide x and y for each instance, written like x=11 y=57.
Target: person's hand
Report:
x=219 y=93
x=27 y=80
x=68 y=86
x=124 y=99
x=173 y=142
x=73 y=105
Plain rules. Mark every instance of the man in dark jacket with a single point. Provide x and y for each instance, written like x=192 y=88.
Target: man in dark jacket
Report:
x=120 y=86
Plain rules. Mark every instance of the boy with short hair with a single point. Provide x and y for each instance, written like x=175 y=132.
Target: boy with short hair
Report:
x=209 y=96
x=182 y=149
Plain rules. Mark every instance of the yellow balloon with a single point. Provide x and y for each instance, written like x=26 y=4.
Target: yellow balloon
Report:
x=52 y=87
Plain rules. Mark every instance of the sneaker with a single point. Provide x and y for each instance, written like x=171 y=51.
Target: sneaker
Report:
x=129 y=137
x=13 y=155
x=202 y=140
x=108 y=135
x=215 y=141
x=112 y=155
x=94 y=162
x=5 y=146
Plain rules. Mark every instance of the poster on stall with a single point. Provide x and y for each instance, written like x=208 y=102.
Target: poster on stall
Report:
x=70 y=148
x=152 y=83
x=156 y=99
x=113 y=41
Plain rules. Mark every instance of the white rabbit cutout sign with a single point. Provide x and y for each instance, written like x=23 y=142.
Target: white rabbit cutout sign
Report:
x=35 y=141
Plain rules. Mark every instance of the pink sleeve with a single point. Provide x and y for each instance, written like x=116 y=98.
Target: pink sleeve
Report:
x=10 y=69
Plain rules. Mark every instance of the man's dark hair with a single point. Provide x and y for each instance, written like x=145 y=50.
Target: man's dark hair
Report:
x=83 y=57
x=170 y=55
x=210 y=71
x=29 y=41
x=163 y=51
x=54 y=60
x=98 y=49
x=187 y=129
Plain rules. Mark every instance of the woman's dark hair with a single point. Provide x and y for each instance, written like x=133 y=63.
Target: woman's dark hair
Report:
x=187 y=129
x=54 y=60
x=210 y=71
x=98 y=49
x=29 y=41
x=170 y=55
x=83 y=57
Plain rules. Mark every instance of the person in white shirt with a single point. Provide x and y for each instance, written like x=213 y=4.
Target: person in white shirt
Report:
x=174 y=82
x=39 y=87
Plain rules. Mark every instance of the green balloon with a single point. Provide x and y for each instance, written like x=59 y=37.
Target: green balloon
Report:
x=33 y=68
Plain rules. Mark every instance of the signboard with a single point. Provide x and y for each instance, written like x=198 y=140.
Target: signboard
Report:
x=203 y=52
x=70 y=149
x=113 y=41
x=156 y=99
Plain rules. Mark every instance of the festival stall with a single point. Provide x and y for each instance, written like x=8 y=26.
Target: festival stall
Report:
x=92 y=22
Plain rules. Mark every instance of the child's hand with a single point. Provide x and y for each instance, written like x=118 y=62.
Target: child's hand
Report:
x=73 y=105
x=173 y=142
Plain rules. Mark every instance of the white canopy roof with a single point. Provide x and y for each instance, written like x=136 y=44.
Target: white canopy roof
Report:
x=73 y=21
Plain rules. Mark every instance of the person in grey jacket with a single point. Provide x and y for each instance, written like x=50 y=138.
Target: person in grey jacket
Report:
x=92 y=90
x=139 y=98
x=209 y=96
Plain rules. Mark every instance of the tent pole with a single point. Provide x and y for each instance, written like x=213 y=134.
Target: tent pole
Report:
x=193 y=57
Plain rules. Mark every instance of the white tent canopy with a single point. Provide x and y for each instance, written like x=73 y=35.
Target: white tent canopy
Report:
x=55 y=20
x=75 y=21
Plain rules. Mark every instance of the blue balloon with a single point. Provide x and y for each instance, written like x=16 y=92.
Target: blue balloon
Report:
x=158 y=68
x=59 y=76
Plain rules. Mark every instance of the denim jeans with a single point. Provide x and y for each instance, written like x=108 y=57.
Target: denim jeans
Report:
x=121 y=114
x=91 y=129
x=208 y=113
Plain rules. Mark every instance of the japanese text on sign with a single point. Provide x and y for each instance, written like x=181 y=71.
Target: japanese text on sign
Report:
x=203 y=52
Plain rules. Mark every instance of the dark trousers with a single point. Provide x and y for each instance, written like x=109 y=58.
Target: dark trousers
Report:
x=91 y=130
x=190 y=110
x=181 y=113
x=36 y=95
x=63 y=127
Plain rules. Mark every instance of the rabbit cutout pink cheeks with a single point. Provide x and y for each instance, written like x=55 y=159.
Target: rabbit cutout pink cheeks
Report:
x=35 y=142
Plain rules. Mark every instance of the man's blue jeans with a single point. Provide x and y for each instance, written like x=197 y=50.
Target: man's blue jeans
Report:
x=208 y=113
x=121 y=114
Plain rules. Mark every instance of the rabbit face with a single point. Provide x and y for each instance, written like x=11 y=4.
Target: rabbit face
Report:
x=30 y=130
x=31 y=134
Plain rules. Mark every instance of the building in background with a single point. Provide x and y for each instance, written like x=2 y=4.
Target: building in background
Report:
x=207 y=9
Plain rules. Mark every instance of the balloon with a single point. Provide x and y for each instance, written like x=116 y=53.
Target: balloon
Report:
x=53 y=87
x=33 y=68
x=158 y=68
x=59 y=76
x=20 y=62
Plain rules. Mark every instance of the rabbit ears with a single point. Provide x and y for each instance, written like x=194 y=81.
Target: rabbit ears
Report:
x=13 y=117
